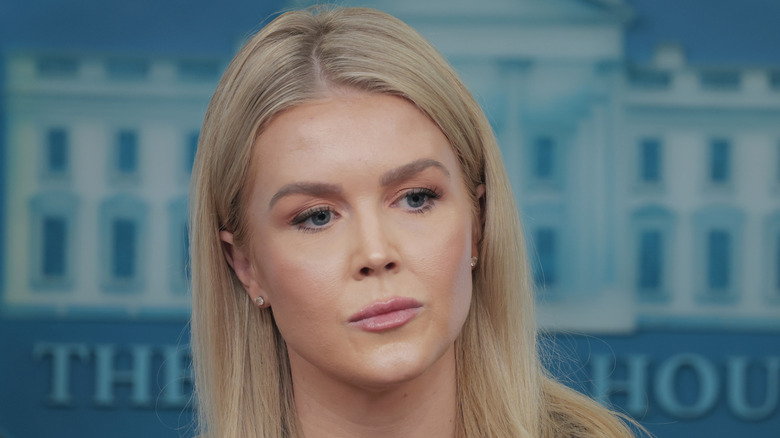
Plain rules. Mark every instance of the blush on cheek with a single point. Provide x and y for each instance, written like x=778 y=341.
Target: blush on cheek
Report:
x=442 y=258
x=463 y=284
x=459 y=247
x=454 y=247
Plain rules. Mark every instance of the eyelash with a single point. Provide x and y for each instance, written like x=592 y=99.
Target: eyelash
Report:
x=300 y=220
x=430 y=192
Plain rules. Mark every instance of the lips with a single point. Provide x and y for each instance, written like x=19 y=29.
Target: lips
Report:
x=386 y=315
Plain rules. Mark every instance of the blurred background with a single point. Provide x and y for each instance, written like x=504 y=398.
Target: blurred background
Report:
x=642 y=138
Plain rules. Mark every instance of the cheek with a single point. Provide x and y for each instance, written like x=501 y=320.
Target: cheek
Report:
x=461 y=286
x=462 y=297
x=300 y=284
x=292 y=271
x=442 y=261
x=304 y=304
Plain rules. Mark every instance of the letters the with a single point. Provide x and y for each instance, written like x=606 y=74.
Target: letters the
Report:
x=61 y=355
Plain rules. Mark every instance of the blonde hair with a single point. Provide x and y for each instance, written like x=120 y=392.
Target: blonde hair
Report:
x=243 y=381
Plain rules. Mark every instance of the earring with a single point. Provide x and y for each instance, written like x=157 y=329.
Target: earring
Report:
x=259 y=301
x=474 y=261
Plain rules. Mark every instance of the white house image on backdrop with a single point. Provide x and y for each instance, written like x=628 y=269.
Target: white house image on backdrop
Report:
x=99 y=152
x=650 y=194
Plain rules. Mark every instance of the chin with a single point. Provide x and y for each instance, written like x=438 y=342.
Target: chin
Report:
x=389 y=371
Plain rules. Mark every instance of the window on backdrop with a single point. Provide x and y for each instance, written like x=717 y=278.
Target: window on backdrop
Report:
x=179 y=245
x=651 y=261
x=650 y=161
x=546 y=244
x=720 y=157
x=122 y=242
x=652 y=228
x=717 y=241
x=544 y=158
x=719 y=260
x=53 y=225
x=190 y=149
x=56 y=153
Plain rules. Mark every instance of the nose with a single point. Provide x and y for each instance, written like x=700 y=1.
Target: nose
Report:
x=375 y=250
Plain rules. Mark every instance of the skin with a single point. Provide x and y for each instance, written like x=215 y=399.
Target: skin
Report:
x=358 y=198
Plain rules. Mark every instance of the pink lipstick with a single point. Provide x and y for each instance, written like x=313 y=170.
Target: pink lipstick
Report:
x=385 y=315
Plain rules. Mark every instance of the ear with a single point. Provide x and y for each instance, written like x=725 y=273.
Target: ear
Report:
x=479 y=223
x=242 y=266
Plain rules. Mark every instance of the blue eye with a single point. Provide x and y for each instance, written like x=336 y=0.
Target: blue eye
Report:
x=416 y=200
x=420 y=200
x=320 y=218
x=313 y=219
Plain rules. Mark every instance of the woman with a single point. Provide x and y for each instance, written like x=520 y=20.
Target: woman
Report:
x=358 y=266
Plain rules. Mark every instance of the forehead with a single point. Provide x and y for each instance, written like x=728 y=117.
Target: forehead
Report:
x=346 y=136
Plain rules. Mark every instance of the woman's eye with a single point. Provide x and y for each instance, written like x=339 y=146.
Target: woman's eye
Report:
x=313 y=220
x=416 y=200
x=320 y=218
x=420 y=200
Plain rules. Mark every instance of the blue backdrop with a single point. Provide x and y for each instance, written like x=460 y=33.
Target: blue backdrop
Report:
x=118 y=366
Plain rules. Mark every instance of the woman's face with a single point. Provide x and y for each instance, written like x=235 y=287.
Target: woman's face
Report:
x=361 y=239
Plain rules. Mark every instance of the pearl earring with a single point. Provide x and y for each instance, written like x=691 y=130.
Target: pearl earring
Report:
x=259 y=301
x=474 y=261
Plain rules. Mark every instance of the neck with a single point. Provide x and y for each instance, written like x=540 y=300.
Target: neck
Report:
x=425 y=406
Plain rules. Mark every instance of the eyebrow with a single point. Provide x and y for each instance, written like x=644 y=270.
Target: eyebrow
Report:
x=325 y=189
x=409 y=170
x=305 y=188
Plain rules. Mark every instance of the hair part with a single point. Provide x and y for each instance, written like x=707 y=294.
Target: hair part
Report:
x=242 y=374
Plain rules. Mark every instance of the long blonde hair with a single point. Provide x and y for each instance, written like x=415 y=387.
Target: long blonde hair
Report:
x=243 y=382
